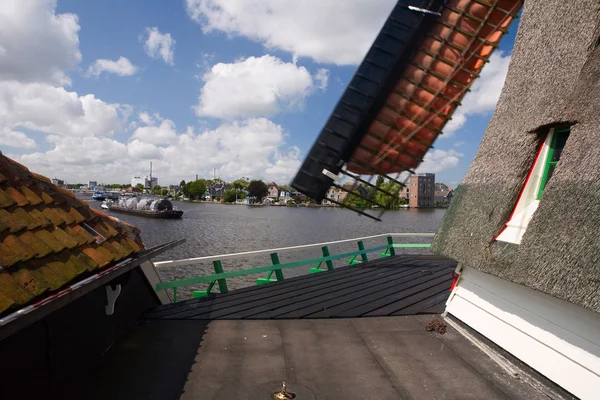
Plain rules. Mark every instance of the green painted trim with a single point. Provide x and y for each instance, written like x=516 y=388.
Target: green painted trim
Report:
x=325 y=251
x=353 y=261
x=222 y=282
x=278 y=272
x=261 y=269
x=547 y=165
x=363 y=256
x=390 y=242
x=556 y=133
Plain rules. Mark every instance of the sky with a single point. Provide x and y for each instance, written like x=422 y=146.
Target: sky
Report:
x=96 y=90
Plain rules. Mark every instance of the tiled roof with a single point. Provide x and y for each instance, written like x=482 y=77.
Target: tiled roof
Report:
x=49 y=238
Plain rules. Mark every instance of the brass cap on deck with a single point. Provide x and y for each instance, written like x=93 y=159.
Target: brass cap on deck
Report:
x=283 y=394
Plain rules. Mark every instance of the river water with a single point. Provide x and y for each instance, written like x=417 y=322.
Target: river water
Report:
x=211 y=229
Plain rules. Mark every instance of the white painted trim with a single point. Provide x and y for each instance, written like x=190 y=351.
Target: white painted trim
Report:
x=558 y=339
x=153 y=278
x=527 y=203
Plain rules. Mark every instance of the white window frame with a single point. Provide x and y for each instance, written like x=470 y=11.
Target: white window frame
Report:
x=528 y=203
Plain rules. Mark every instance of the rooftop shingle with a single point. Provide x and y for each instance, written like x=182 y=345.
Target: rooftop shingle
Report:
x=49 y=238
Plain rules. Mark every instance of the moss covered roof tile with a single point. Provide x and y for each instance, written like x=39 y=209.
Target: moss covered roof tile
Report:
x=44 y=243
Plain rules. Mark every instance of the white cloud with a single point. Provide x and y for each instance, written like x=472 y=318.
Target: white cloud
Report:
x=54 y=110
x=15 y=139
x=143 y=151
x=146 y=118
x=459 y=143
x=437 y=161
x=337 y=32
x=285 y=166
x=121 y=67
x=159 y=45
x=37 y=44
x=76 y=151
x=322 y=78
x=255 y=148
x=162 y=134
x=484 y=93
x=254 y=87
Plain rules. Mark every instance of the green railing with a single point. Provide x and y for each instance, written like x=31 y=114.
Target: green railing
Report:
x=219 y=278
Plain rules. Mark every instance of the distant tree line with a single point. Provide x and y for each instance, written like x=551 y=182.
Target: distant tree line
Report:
x=388 y=201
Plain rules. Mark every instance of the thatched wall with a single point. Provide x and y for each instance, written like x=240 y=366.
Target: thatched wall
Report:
x=554 y=77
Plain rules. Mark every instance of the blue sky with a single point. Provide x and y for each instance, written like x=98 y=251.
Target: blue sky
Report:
x=241 y=87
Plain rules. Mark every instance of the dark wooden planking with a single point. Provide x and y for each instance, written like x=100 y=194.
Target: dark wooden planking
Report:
x=363 y=295
x=317 y=293
x=419 y=298
x=310 y=279
x=258 y=290
x=403 y=299
x=383 y=286
x=355 y=307
x=322 y=294
x=269 y=294
x=431 y=305
x=393 y=294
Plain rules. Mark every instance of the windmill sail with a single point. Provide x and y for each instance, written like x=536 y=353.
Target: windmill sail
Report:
x=409 y=84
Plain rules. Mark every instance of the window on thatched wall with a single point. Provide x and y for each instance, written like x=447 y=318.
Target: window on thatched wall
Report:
x=537 y=179
x=559 y=139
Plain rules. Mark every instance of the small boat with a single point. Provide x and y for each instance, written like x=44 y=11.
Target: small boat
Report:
x=106 y=204
x=100 y=196
x=150 y=208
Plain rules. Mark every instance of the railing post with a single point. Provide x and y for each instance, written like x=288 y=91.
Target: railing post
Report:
x=219 y=270
x=390 y=242
x=174 y=295
x=329 y=263
x=278 y=272
x=361 y=247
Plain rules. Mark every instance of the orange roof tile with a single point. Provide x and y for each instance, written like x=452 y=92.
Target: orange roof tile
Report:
x=52 y=216
x=96 y=256
x=40 y=248
x=64 y=215
x=47 y=198
x=33 y=198
x=5 y=199
x=52 y=241
x=18 y=248
x=63 y=237
x=16 y=196
x=31 y=281
x=44 y=243
x=84 y=233
x=76 y=215
x=87 y=261
x=39 y=219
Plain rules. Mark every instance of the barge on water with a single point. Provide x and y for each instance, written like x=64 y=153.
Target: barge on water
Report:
x=150 y=208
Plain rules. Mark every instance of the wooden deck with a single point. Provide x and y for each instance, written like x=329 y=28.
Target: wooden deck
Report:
x=242 y=344
x=391 y=286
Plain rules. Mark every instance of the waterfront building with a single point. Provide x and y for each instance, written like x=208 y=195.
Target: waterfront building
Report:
x=148 y=182
x=420 y=191
x=273 y=191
